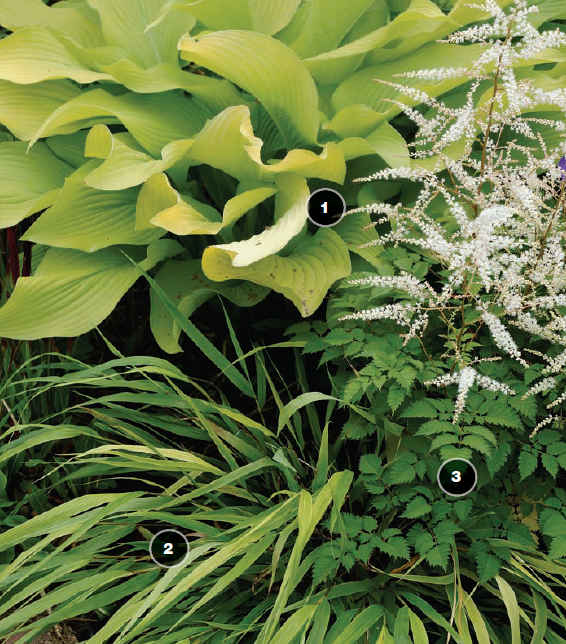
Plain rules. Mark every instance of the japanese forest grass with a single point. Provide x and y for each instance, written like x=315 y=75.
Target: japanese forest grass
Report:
x=189 y=136
x=151 y=449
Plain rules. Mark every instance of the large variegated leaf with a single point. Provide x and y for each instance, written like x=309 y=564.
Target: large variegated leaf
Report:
x=72 y=292
x=153 y=120
x=87 y=219
x=125 y=165
x=268 y=70
x=185 y=283
x=28 y=182
x=303 y=277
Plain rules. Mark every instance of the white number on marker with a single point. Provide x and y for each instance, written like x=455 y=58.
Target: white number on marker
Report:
x=167 y=548
x=456 y=476
x=325 y=207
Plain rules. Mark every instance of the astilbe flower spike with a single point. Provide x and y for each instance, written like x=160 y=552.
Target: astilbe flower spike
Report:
x=504 y=255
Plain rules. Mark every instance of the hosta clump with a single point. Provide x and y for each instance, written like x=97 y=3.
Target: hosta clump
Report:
x=490 y=212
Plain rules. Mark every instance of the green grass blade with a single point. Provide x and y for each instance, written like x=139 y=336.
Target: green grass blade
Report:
x=512 y=606
x=209 y=350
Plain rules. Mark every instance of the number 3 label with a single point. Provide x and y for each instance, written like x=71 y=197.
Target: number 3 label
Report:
x=456 y=477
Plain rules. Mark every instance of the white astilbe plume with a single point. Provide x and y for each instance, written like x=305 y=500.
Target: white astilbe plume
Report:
x=466 y=378
x=503 y=252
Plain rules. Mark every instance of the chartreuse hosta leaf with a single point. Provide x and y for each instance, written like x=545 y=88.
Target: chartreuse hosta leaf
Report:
x=385 y=140
x=24 y=108
x=159 y=204
x=227 y=142
x=38 y=53
x=29 y=182
x=270 y=16
x=290 y=220
x=216 y=93
x=352 y=231
x=213 y=14
x=161 y=207
x=106 y=217
x=78 y=20
x=267 y=69
x=326 y=24
x=124 y=25
x=153 y=120
x=303 y=277
x=72 y=291
x=422 y=22
x=185 y=283
x=126 y=164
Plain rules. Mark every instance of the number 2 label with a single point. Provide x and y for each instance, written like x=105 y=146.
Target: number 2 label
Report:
x=167 y=548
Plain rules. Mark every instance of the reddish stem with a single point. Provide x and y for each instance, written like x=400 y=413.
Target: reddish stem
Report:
x=13 y=258
x=26 y=268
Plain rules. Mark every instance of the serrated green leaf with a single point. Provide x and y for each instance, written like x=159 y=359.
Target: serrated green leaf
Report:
x=400 y=471
x=438 y=555
x=478 y=443
x=395 y=396
x=558 y=547
x=371 y=464
x=394 y=546
x=416 y=508
x=420 y=409
x=502 y=415
x=488 y=566
x=444 y=439
x=405 y=377
x=550 y=464
x=552 y=522
x=498 y=457
x=431 y=427
x=527 y=463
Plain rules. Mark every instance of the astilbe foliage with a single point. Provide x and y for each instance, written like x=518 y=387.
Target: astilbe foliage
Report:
x=503 y=259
